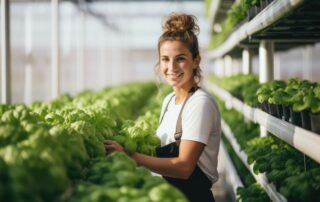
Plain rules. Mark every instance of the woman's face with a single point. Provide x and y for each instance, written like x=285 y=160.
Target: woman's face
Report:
x=177 y=64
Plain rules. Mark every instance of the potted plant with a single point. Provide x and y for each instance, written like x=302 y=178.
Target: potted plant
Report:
x=280 y=99
x=315 y=110
x=302 y=102
x=275 y=108
x=263 y=94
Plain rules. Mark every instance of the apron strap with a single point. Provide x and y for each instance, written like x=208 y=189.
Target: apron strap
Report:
x=165 y=109
x=178 y=132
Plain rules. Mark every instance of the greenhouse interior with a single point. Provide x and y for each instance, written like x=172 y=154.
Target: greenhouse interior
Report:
x=80 y=75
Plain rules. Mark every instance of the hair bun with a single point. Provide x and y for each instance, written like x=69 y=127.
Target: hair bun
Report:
x=181 y=23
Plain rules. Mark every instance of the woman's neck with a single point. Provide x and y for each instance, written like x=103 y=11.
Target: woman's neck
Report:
x=181 y=94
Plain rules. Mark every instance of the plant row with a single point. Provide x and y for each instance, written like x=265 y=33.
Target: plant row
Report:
x=294 y=175
x=118 y=178
x=296 y=101
x=46 y=148
x=139 y=135
x=251 y=191
x=240 y=12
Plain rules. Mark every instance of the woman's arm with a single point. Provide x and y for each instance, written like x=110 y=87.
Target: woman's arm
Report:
x=177 y=167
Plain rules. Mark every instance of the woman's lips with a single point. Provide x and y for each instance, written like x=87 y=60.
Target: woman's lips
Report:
x=174 y=76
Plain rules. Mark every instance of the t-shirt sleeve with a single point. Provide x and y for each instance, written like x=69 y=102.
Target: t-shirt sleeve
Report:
x=198 y=119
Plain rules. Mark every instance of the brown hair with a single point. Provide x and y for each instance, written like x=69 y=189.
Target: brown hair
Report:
x=183 y=28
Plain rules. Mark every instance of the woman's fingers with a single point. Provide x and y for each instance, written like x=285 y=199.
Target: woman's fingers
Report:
x=108 y=142
x=111 y=145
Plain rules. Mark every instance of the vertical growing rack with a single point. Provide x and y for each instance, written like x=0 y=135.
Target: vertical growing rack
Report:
x=279 y=26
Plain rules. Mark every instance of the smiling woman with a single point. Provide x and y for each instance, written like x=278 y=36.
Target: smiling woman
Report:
x=189 y=126
x=177 y=64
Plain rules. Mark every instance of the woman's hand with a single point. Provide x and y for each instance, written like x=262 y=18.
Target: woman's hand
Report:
x=111 y=146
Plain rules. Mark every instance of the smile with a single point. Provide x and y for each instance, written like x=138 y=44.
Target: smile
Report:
x=174 y=76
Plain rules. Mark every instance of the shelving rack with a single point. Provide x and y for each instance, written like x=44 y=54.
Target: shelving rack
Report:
x=232 y=176
x=305 y=141
x=260 y=178
x=281 y=25
x=289 y=22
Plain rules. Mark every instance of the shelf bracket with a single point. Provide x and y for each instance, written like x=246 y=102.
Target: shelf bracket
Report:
x=246 y=61
x=227 y=65
x=266 y=49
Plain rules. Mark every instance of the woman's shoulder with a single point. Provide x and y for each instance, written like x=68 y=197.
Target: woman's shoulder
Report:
x=202 y=94
x=202 y=97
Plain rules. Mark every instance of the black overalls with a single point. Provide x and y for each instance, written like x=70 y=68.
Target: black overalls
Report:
x=197 y=187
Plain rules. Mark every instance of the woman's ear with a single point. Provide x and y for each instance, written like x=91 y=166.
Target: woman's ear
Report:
x=196 y=62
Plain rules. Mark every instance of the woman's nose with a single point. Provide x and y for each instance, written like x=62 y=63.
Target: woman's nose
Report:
x=171 y=65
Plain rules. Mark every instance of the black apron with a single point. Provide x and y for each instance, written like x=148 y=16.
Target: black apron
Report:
x=197 y=188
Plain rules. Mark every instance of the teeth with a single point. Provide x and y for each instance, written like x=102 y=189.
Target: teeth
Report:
x=175 y=74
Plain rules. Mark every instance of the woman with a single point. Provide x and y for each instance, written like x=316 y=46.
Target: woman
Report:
x=189 y=126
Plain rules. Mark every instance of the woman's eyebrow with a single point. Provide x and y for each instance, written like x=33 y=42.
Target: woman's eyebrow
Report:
x=182 y=54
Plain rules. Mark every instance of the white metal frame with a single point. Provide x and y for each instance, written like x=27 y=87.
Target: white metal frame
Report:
x=275 y=11
x=55 y=52
x=266 y=50
x=80 y=23
x=303 y=140
x=232 y=175
x=5 y=53
x=260 y=178
x=246 y=61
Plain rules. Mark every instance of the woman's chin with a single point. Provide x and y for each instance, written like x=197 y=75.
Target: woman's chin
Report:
x=173 y=83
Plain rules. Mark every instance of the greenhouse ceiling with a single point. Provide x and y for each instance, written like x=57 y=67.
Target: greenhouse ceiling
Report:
x=134 y=25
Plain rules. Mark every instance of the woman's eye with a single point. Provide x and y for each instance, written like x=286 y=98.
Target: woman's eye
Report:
x=164 y=59
x=180 y=59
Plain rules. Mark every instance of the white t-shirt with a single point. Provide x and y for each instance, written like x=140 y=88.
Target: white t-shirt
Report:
x=200 y=122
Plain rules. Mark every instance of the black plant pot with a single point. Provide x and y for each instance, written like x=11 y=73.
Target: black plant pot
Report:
x=279 y=111
x=264 y=3
x=252 y=12
x=305 y=120
x=273 y=110
x=286 y=112
x=315 y=122
x=295 y=118
x=264 y=107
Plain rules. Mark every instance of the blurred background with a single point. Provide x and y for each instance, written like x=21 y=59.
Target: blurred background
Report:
x=101 y=43
x=108 y=42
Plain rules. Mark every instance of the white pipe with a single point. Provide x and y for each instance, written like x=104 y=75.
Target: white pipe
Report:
x=228 y=65
x=246 y=61
x=5 y=53
x=55 y=84
x=28 y=52
x=80 y=51
x=266 y=50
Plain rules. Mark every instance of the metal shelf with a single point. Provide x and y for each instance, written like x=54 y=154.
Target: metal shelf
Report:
x=218 y=11
x=273 y=23
x=232 y=174
x=260 y=178
x=303 y=140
